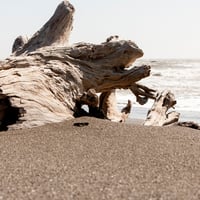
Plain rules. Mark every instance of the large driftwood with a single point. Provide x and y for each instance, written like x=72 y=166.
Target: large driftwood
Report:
x=43 y=80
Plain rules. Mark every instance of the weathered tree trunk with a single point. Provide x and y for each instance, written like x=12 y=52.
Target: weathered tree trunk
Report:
x=44 y=79
x=157 y=115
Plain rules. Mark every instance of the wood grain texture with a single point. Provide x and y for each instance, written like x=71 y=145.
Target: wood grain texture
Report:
x=45 y=76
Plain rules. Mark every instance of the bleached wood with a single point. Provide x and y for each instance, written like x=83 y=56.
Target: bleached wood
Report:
x=55 y=32
x=157 y=115
x=44 y=77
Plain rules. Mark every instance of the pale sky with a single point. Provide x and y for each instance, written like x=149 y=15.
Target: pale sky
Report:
x=162 y=28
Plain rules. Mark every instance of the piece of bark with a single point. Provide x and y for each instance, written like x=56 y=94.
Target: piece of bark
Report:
x=43 y=79
x=157 y=115
x=189 y=125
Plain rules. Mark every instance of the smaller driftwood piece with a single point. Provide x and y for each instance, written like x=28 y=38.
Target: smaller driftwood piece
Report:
x=159 y=114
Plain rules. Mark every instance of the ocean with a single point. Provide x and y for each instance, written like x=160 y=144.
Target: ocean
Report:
x=181 y=77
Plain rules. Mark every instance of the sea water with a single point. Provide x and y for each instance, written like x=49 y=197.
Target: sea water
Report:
x=181 y=77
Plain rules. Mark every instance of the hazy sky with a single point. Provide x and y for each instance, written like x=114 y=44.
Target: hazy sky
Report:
x=162 y=28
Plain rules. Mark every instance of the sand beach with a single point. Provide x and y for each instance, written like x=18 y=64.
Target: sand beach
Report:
x=102 y=160
x=50 y=76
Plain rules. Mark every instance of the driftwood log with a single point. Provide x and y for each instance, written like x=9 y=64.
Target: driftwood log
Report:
x=47 y=80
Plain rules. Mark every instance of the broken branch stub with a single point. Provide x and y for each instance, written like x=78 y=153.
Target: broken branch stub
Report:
x=55 y=32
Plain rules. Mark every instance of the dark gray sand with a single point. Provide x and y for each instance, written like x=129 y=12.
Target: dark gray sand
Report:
x=103 y=160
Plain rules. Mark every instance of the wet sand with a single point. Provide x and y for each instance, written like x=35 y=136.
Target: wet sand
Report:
x=103 y=160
